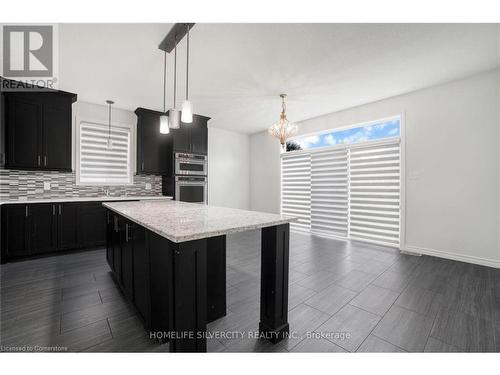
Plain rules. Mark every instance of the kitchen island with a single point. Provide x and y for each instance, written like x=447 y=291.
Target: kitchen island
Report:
x=169 y=259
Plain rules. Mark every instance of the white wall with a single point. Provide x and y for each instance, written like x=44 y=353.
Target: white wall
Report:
x=228 y=168
x=452 y=165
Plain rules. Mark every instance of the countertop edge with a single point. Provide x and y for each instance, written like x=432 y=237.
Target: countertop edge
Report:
x=85 y=199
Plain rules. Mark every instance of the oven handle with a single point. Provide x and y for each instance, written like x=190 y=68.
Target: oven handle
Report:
x=191 y=161
x=183 y=183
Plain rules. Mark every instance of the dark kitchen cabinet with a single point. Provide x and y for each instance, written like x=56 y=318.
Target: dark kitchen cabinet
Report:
x=43 y=228
x=2 y=129
x=67 y=214
x=117 y=248
x=192 y=138
x=110 y=233
x=126 y=248
x=15 y=232
x=23 y=131
x=154 y=150
x=91 y=224
x=141 y=274
x=38 y=130
x=56 y=147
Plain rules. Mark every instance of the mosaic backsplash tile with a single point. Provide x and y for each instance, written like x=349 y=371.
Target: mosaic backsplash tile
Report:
x=15 y=184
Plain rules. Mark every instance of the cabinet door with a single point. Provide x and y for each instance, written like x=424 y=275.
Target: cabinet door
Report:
x=141 y=274
x=117 y=249
x=152 y=146
x=56 y=150
x=91 y=225
x=127 y=279
x=199 y=136
x=43 y=228
x=23 y=127
x=182 y=138
x=110 y=230
x=15 y=231
x=2 y=129
x=67 y=214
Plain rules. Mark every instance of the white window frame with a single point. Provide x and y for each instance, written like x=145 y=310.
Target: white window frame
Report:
x=402 y=136
x=131 y=156
x=347 y=127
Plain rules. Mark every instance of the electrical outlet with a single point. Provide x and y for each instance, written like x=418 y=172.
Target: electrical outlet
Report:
x=46 y=185
x=148 y=186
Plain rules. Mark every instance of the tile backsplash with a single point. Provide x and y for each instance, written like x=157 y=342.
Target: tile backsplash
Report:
x=15 y=184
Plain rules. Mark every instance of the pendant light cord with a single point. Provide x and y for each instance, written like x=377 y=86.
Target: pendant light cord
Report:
x=175 y=70
x=187 y=64
x=164 y=80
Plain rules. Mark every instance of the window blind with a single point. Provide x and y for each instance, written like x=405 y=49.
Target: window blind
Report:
x=296 y=189
x=375 y=192
x=329 y=192
x=348 y=191
x=97 y=163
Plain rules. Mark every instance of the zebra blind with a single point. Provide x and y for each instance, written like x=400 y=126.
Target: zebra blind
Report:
x=296 y=189
x=375 y=192
x=329 y=192
x=97 y=163
x=346 y=191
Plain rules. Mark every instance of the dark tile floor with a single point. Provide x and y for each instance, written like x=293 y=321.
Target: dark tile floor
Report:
x=343 y=297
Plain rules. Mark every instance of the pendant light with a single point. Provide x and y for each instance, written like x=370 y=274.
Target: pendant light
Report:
x=109 y=144
x=187 y=106
x=164 y=118
x=283 y=129
x=174 y=115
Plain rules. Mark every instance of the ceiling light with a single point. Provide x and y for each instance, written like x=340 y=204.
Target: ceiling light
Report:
x=187 y=106
x=164 y=118
x=109 y=143
x=283 y=129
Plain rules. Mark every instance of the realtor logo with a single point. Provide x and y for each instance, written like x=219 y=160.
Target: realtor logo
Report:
x=28 y=51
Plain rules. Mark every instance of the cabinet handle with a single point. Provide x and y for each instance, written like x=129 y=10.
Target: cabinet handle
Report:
x=142 y=166
x=45 y=160
x=39 y=160
x=53 y=210
x=26 y=211
x=116 y=224
x=126 y=232
x=59 y=210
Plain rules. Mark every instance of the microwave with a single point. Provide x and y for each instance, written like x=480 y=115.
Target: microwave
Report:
x=191 y=164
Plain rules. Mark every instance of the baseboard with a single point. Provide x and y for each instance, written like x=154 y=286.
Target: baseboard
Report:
x=453 y=256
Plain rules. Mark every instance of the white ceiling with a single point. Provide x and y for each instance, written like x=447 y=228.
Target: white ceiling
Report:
x=237 y=71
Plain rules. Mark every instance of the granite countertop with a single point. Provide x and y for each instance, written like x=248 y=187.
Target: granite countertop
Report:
x=181 y=221
x=84 y=199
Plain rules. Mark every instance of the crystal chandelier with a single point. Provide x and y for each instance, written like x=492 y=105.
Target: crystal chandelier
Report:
x=283 y=129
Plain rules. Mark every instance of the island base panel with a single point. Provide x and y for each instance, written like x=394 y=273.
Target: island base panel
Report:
x=274 y=282
x=188 y=297
x=216 y=278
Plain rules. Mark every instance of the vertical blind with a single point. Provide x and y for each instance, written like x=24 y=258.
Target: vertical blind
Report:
x=346 y=191
x=296 y=190
x=329 y=190
x=97 y=163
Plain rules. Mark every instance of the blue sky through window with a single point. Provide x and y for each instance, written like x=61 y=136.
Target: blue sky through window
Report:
x=377 y=130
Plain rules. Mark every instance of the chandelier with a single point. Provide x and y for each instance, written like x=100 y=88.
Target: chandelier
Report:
x=283 y=129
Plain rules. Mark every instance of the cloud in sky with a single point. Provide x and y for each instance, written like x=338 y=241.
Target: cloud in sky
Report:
x=350 y=136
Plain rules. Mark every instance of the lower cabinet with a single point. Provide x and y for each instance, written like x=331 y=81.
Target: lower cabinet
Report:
x=142 y=262
x=91 y=224
x=42 y=228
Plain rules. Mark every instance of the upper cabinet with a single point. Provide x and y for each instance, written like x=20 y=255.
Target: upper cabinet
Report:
x=37 y=130
x=192 y=138
x=154 y=150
